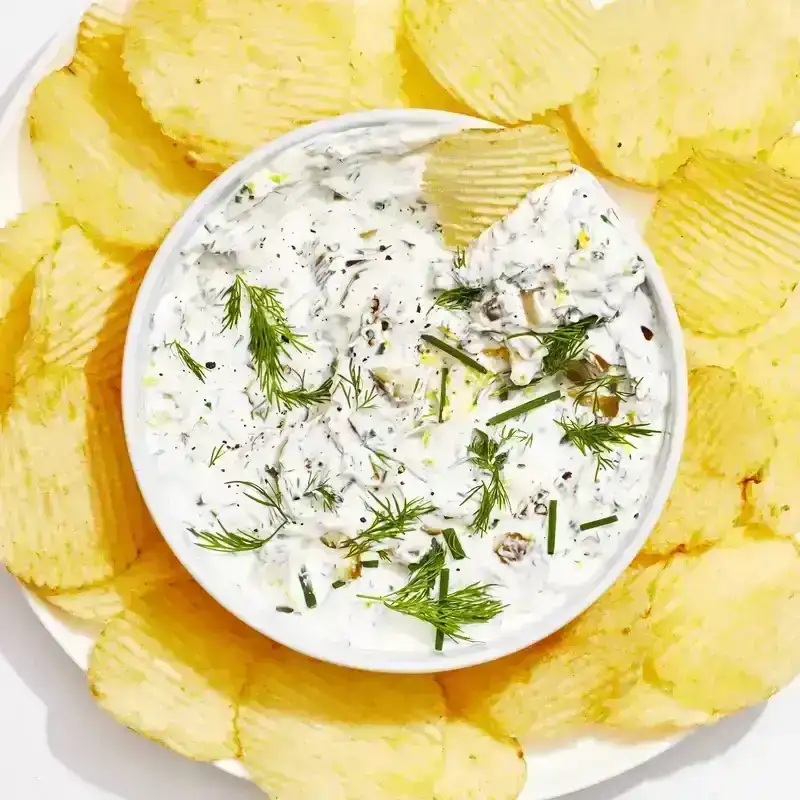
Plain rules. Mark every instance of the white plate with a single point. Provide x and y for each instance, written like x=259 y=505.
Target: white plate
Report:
x=553 y=771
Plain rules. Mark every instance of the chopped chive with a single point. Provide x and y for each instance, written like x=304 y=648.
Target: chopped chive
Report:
x=459 y=355
x=599 y=523
x=284 y=609
x=370 y=564
x=551 y=527
x=338 y=584
x=453 y=544
x=518 y=411
x=308 y=589
x=444 y=586
x=443 y=393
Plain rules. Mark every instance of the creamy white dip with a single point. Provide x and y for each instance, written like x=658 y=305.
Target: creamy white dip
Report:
x=339 y=228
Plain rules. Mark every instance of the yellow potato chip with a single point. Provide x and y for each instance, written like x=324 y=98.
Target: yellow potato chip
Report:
x=309 y=729
x=155 y=568
x=477 y=766
x=727 y=624
x=23 y=244
x=500 y=58
x=675 y=80
x=785 y=156
x=730 y=433
x=726 y=233
x=172 y=667
x=72 y=514
x=106 y=163
x=80 y=308
x=476 y=177
x=647 y=708
x=561 y=683
x=290 y=63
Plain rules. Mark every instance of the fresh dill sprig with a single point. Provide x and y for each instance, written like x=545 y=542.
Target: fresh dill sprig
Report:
x=602 y=438
x=460 y=258
x=216 y=454
x=320 y=489
x=392 y=519
x=305 y=398
x=487 y=455
x=564 y=344
x=517 y=435
x=267 y=495
x=459 y=298
x=238 y=541
x=425 y=573
x=607 y=385
x=198 y=369
x=355 y=393
x=271 y=336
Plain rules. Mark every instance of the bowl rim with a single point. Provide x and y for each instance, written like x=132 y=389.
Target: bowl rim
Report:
x=222 y=591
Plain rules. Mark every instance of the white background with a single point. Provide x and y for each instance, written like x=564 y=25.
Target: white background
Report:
x=55 y=743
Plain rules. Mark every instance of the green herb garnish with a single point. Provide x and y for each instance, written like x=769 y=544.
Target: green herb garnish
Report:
x=216 y=454
x=519 y=410
x=370 y=564
x=552 y=520
x=609 y=384
x=459 y=298
x=486 y=454
x=357 y=396
x=444 y=588
x=599 y=523
x=308 y=589
x=320 y=489
x=305 y=398
x=392 y=519
x=601 y=438
x=268 y=495
x=460 y=258
x=459 y=355
x=198 y=369
x=443 y=393
x=453 y=544
x=563 y=344
x=284 y=609
x=226 y=541
x=338 y=584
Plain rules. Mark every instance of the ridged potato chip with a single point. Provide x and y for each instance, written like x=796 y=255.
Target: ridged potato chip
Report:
x=72 y=514
x=80 y=308
x=561 y=683
x=729 y=433
x=476 y=177
x=310 y=729
x=105 y=162
x=674 y=80
x=785 y=156
x=155 y=567
x=500 y=58
x=291 y=63
x=23 y=244
x=726 y=233
x=727 y=624
x=172 y=667
x=477 y=766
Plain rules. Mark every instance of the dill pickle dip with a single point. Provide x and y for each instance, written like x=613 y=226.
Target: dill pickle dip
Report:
x=398 y=445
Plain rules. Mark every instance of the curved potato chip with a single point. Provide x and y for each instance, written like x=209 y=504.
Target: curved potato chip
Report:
x=731 y=261
x=477 y=766
x=729 y=432
x=23 y=244
x=72 y=512
x=80 y=308
x=172 y=667
x=785 y=156
x=310 y=729
x=106 y=163
x=477 y=177
x=155 y=567
x=705 y=607
x=562 y=682
x=290 y=63
x=674 y=81
x=498 y=58
x=646 y=708
x=726 y=234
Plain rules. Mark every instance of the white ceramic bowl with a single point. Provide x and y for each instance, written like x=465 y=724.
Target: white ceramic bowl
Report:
x=205 y=567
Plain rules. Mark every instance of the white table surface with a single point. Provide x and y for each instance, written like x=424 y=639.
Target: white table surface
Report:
x=55 y=743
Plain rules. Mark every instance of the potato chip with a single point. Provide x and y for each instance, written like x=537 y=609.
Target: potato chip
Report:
x=310 y=729
x=499 y=57
x=106 y=163
x=562 y=682
x=785 y=156
x=647 y=708
x=155 y=567
x=80 y=308
x=674 y=80
x=23 y=244
x=476 y=177
x=727 y=624
x=477 y=766
x=172 y=667
x=730 y=432
x=730 y=261
x=291 y=64
x=71 y=509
